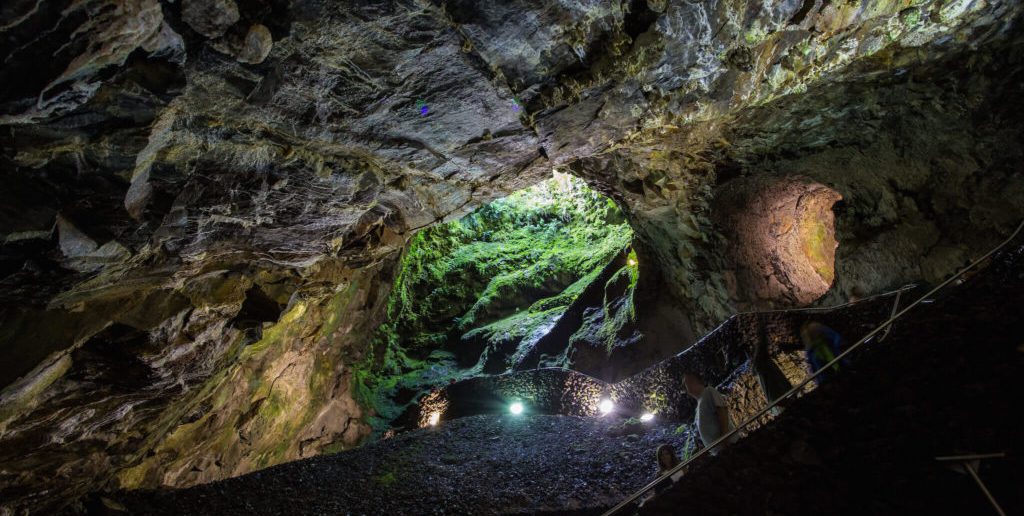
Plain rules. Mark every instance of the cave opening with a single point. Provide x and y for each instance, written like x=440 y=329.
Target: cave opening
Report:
x=227 y=244
x=516 y=284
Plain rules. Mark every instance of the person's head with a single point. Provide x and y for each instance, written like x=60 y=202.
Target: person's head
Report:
x=856 y=293
x=667 y=457
x=813 y=333
x=808 y=331
x=694 y=384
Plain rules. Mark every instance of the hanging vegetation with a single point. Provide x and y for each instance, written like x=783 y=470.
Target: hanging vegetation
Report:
x=472 y=296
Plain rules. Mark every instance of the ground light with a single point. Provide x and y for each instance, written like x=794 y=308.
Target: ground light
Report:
x=516 y=408
x=435 y=418
x=606 y=406
x=647 y=416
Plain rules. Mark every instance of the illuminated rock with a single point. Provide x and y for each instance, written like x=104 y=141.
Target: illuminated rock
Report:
x=238 y=227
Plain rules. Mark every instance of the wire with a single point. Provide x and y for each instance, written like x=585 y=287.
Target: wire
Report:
x=807 y=380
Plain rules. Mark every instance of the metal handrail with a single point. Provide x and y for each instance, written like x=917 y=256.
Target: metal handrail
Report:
x=611 y=385
x=895 y=306
x=807 y=380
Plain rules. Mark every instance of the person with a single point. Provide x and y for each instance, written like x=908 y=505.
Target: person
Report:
x=712 y=415
x=667 y=459
x=822 y=345
x=773 y=382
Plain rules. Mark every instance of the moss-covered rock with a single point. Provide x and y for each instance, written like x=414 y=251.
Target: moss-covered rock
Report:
x=484 y=289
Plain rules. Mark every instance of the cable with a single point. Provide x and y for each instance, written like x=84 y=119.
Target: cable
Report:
x=807 y=380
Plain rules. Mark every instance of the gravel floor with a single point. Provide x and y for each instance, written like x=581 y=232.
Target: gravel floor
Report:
x=475 y=465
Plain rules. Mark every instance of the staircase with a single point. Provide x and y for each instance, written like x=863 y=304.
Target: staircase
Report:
x=943 y=384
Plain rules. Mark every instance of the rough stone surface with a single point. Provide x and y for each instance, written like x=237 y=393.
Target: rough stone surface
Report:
x=258 y=43
x=782 y=240
x=211 y=18
x=862 y=432
x=245 y=219
x=722 y=357
x=540 y=391
x=879 y=426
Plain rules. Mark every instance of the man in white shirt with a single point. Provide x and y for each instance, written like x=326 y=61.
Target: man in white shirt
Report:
x=712 y=416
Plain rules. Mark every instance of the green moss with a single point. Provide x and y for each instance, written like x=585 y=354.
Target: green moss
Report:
x=656 y=402
x=567 y=296
x=911 y=17
x=818 y=246
x=500 y=273
x=511 y=253
x=616 y=322
x=754 y=35
x=322 y=373
x=333 y=448
x=517 y=326
x=287 y=323
x=273 y=407
x=804 y=47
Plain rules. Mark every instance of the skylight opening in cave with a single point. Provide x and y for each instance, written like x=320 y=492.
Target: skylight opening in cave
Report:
x=482 y=295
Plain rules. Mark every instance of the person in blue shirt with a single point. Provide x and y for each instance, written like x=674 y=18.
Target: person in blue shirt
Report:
x=822 y=345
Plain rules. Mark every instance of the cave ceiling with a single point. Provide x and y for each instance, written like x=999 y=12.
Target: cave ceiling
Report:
x=213 y=195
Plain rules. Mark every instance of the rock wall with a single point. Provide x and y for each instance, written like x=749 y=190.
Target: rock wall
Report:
x=502 y=288
x=201 y=197
x=290 y=394
x=721 y=357
x=540 y=391
x=893 y=411
x=928 y=173
x=781 y=236
x=213 y=392
x=234 y=222
x=910 y=154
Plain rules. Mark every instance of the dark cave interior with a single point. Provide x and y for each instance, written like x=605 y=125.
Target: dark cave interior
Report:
x=302 y=257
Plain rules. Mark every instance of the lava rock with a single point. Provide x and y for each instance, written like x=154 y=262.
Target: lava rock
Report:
x=211 y=18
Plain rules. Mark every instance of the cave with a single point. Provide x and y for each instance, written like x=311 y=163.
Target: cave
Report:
x=511 y=286
x=457 y=256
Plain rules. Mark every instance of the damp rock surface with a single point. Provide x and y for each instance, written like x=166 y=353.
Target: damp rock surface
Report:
x=205 y=202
